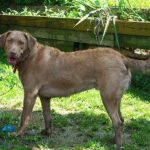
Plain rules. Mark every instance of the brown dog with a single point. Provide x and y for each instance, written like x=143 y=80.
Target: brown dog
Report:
x=47 y=72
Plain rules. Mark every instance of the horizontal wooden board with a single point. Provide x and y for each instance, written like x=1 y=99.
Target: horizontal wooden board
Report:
x=62 y=45
x=131 y=34
x=134 y=41
x=123 y=27
x=64 y=35
x=82 y=37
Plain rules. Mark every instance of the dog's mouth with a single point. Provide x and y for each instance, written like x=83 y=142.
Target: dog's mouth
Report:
x=12 y=60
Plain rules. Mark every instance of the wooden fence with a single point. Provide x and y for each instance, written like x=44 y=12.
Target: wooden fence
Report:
x=60 y=32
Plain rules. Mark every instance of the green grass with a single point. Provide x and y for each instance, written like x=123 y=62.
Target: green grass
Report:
x=80 y=121
x=134 y=3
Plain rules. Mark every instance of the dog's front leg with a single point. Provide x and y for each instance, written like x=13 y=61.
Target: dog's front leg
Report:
x=47 y=116
x=29 y=101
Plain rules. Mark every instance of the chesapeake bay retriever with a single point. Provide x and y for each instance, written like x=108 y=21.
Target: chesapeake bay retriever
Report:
x=48 y=72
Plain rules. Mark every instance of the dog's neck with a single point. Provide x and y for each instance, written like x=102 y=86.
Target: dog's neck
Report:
x=22 y=60
x=21 y=65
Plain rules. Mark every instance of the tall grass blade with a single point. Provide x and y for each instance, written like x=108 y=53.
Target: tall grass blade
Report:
x=96 y=30
x=85 y=17
x=81 y=20
x=86 y=4
x=105 y=29
x=115 y=29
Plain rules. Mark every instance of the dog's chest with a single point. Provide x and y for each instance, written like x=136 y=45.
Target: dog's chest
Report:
x=65 y=88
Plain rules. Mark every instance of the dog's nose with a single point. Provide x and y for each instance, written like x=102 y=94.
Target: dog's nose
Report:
x=12 y=53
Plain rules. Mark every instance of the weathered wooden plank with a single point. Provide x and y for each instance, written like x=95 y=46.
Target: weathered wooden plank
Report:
x=134 y=41
x=123 y=27
x=63 y=45
x=82 y=37
x=131 y=34
x=63 y=35
x=45 y=22
x=132 y=54
x=132 y=28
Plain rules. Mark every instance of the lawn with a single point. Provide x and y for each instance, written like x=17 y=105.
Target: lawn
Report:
x=80 y=121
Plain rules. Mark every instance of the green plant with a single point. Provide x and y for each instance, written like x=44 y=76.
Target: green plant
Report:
x=123 y=9
x=127 y=12
x=35 y=2
x=7 y=79
x=141 y=81
x=56 y=2
x=25 y=12
x=102 y=17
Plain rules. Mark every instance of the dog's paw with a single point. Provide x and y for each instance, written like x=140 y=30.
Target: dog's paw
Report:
x=17 y=134
x=46 y=132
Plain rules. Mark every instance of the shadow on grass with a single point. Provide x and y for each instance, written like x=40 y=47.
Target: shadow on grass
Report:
x=83 y=130
x=139 y=94
x=70 y=130
x=140 y=86
x=138 y=132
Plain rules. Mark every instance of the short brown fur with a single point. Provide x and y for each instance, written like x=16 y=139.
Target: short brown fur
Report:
x=48 y=72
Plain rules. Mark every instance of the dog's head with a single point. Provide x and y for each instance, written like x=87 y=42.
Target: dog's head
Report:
x=17 y=45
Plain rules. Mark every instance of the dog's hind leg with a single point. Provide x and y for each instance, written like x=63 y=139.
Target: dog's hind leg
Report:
x=119 y=111
x=47 y=115
x=111 y=105
x=111 y=93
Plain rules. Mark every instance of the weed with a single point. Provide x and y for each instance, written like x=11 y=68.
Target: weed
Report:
x=123 y=9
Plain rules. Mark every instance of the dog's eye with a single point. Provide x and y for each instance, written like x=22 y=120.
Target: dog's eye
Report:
x=9 y=40
x=20 y=42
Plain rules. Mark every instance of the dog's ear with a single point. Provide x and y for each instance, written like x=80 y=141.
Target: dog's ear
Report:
x=31 y=41
x=3 y=38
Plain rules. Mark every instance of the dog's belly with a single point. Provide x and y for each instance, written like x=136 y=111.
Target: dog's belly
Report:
x=50 y=90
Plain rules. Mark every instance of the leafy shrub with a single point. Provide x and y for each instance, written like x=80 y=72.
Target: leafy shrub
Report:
x=27 y=2
x=141 y=81
x=36 y=2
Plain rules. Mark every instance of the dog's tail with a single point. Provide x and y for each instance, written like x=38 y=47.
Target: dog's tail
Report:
x=137 y=65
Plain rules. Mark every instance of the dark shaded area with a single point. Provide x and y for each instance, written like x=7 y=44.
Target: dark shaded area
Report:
x=89 y=128
x=33 y=2
x=3 y=58
x=84 y=124
x=141 y=81
x=143 y=95
x=139 y=130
